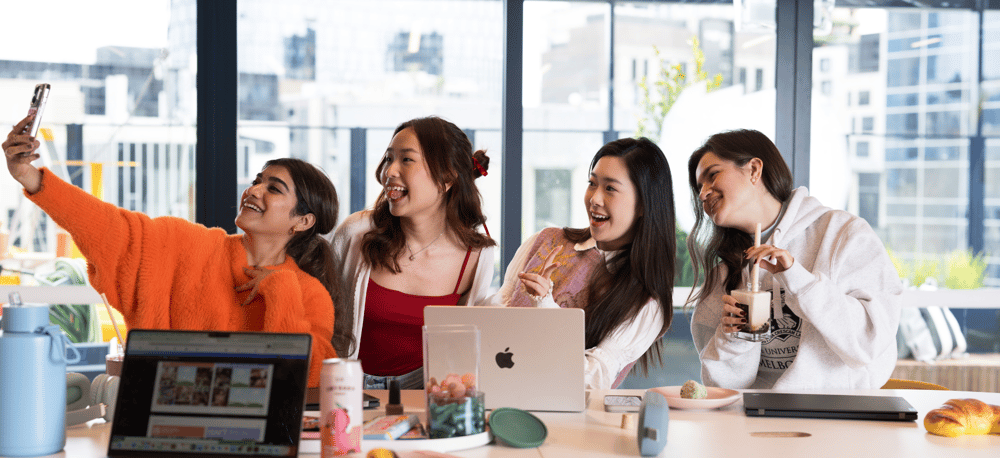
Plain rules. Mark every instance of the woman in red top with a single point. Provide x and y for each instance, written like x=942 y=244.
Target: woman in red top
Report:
x=169 y=273
x=419 y=245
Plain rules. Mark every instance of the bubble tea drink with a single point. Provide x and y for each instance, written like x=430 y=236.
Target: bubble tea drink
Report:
x=755 y=305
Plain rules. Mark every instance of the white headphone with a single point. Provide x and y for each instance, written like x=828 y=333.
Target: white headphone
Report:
x=86 y=401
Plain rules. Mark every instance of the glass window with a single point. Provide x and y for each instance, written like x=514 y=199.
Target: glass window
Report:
x=992 y=182
x=934 y=98
x=901 y=182
x=991 y=63
x=945 y=183
x=868 y=197
x=552 y=198
x=868 y=53
x=901 y=154
x=931 y=105
x=120 y=121
x=942 y=153
x=864 y=97
x=901 y=238
x=566 y=91
x=897 y=100
x=941 y=239
x=861 y=149
x=944 y=211
x=867 y=124
x=944 y=124
x=901 y=124
x=904 y=72
x=328 y=81
x=901 y=210
x=903 y=21
x=991 y=121
x=904 y=44
x=946 y=69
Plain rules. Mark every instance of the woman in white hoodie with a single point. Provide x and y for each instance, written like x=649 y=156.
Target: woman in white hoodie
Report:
x=835 y=293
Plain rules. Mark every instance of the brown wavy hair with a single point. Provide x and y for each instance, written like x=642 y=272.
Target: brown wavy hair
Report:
x=644 y=268
x=725 y=245
x=450 y=160
x=312 y=253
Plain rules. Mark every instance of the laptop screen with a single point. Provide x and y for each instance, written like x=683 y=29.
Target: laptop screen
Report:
x=210 y=393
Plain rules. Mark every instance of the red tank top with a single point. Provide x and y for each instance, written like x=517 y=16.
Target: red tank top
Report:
x=392 y=339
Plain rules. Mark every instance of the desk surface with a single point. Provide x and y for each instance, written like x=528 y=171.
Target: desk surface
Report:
x=712 y=433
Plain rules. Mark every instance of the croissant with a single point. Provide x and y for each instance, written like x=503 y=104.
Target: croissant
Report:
x=962 y=416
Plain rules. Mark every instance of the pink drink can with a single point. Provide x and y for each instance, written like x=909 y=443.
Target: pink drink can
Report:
x=340 y=396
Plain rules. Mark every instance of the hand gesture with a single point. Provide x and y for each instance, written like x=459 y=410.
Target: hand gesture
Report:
x=257 y=275
x=733 y=318
x=540 y=284
x=19 y=148
x=771 y=259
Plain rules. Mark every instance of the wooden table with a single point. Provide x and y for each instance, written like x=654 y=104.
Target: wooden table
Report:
x=713 y=433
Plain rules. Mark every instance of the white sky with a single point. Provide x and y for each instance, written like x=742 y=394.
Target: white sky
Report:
x=69 y=31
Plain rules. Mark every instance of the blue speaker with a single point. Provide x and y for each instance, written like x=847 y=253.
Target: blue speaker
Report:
x=654 y=415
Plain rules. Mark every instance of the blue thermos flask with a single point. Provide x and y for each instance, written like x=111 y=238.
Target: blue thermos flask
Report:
x=32 y=381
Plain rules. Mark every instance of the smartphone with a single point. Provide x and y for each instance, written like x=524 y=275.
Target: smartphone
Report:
x=37 y=107
x=617 y=403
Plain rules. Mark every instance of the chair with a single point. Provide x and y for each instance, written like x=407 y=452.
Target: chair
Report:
x=903 y=384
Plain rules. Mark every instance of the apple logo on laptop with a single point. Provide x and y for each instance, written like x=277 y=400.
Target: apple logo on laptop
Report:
x=505 y=359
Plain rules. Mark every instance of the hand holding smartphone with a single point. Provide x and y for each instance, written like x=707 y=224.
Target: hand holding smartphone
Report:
x=37 y=107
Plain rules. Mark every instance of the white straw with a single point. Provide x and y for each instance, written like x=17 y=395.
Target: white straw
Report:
x=754 y=286
x=114 y=323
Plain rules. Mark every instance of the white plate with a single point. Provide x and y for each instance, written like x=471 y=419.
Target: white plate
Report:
x=717 y=397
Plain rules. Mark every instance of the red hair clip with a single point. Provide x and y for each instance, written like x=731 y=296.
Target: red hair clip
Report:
x=479 y=166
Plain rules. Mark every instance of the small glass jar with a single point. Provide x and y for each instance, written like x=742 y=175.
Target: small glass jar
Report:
x=455 y=405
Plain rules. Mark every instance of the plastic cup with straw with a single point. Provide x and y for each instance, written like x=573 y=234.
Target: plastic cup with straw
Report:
x=114 y=323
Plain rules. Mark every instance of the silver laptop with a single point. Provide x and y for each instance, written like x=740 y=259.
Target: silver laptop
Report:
x=530 y=358
x=210 y=394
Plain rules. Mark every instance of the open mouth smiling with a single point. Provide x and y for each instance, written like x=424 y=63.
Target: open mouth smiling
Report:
x=395 y=192
x=253 y=207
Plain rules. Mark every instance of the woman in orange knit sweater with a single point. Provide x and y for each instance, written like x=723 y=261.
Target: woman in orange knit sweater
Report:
x=169 y=273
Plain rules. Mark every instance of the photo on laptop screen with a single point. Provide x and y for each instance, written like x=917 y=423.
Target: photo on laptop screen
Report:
x=210 y=394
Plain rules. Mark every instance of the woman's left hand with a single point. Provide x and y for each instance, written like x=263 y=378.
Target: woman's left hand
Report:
x=257 y=275
x=771 y=258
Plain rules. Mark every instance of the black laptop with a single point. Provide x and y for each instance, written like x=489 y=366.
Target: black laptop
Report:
x=210 y=394
x=890 y=408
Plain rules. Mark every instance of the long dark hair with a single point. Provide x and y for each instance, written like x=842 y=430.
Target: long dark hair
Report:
x=644 y=268
x=725 y=245
x=312 y=253
x=450 y=159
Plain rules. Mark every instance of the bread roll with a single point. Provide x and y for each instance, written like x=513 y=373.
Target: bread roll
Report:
x=962 y=416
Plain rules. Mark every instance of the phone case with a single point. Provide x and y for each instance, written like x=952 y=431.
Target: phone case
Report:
x=38 y=100
x=617 y=403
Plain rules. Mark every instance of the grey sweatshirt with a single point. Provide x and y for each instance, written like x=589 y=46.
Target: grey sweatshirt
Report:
x=836 y=310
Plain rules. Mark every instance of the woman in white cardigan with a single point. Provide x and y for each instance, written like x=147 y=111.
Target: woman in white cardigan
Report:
x=421 y=244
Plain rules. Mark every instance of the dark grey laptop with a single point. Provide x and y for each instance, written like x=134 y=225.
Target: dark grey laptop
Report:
x=892 y=408
x=210 y=394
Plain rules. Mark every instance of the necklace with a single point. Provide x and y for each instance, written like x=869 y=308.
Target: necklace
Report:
x=414 y=255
